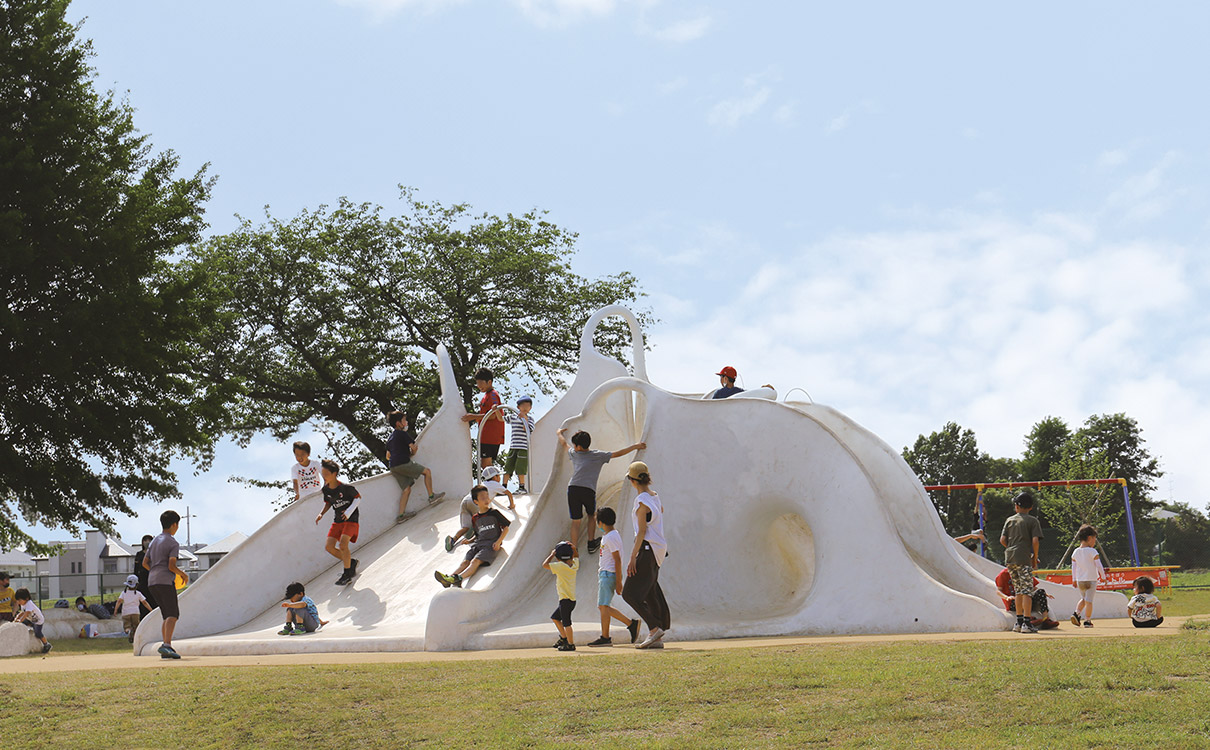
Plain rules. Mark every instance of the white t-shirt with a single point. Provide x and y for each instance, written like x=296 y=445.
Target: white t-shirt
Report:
x=649 y=503
x=130 y=599
x=308 y=477
x=36 y=616
x=610 y=543
x=1142 y=607
x=1086 y=564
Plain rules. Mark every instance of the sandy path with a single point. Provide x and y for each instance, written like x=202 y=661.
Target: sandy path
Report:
x=1116 y=628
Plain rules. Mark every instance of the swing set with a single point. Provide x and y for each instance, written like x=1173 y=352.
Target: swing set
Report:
x=1068 y=483
x=1119 y=578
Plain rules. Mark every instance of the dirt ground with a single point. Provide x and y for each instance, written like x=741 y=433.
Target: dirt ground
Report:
x=1115 y=628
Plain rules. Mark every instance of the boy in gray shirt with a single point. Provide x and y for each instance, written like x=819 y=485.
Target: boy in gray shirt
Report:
x=162 y=572
x=586 y=468
x=1020 y=538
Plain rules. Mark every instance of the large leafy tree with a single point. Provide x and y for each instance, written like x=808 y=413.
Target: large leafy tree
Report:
x=97 y=389
x=334 y=316
x=950 y=455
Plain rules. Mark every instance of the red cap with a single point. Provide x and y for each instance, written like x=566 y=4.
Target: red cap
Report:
x=728 y=372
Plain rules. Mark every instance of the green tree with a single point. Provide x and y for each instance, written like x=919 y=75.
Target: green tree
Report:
x=98 y=390
x=334 y=316
x=1043 y=448
x=1068 y=508
x=1120 y=438
x=950 y=455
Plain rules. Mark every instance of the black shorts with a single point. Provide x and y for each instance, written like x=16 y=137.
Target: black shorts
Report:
x=165 y=597
x=489 y=450
x=581 y=501
x=563 y=613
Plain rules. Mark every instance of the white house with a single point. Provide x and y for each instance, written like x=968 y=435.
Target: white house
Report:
x=210 y=554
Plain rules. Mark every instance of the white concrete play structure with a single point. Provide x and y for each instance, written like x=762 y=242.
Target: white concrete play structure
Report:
x=783 y=518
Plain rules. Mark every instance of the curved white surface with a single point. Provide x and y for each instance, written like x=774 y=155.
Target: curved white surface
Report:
x=782 y=518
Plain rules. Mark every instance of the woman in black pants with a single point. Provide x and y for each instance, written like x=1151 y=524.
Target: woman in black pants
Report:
x=642 y=588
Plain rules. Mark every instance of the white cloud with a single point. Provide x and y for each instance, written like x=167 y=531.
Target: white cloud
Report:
x=786 y=114
x=1112 y=159
x=683 y=31
x=1144 y=196
x=556 y=13
x=381 y=9
x=838 y=123
x=728 y=113
x=988 y=321
x=673 y=86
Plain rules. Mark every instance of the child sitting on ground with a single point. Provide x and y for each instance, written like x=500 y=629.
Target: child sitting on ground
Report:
x=1086 y=570
x=564 y=562
x=28 y=613
x=490 y=527
x=302 y=616
x=1144 y=608
x=1039 y=616
x=469 y=508
x=128 y=605
x=609 y=581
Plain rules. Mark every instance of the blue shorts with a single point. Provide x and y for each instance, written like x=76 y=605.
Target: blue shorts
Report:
x=606 y=587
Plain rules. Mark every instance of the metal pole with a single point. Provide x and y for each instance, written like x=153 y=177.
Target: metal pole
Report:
x=982 y=522
x=1134 y=545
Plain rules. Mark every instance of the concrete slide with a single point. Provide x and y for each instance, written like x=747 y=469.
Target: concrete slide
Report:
x=782 y=518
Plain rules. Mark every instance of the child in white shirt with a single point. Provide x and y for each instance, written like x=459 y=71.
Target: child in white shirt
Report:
x=608 y=581
x=28 y=613
x=1086 y=570
x=128 y=606
x=1144 y=608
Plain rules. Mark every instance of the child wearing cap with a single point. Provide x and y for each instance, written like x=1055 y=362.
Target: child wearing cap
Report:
x=726 y=379
x=582 y=487
x=302 y=616
x=564 y=562
x=28 y=613
x=490 y=528
x=469 y=507
x=128 y=605
x=1020 y=538
x=520 y=426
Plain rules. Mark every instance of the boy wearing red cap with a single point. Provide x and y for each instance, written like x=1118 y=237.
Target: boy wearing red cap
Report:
x=726 y=378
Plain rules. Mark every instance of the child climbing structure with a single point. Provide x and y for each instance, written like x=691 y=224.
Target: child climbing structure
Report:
x=781 y=518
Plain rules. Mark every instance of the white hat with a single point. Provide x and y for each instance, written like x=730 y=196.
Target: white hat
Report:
x=132 y=581
x=491 y=472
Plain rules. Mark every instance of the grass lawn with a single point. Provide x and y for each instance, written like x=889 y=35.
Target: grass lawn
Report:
x=1068 y=693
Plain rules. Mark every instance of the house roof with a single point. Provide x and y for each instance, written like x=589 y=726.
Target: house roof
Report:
x=224 y=545
x=116 y=548
x=15 y=559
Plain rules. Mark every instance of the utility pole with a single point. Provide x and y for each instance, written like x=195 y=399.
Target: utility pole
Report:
x=188 y=535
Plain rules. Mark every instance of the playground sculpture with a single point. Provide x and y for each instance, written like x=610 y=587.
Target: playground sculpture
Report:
x=783 y=518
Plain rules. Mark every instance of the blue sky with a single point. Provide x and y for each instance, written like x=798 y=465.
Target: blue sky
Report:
x=919 y=213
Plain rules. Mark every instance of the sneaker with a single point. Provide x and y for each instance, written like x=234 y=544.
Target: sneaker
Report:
x=1017 y=627
x=652 y=637
x=568 y=647
x=521 y=490
x=1088 y=623
x=602 y=641
x=657 y=644
x=168 y=652
x=1028 y=628
x=353 y=566
x=633 y=627
x=457 y=582
x=1075 y=619
x=436 y=498
x=449 y=544
x=594 y=545
x=443 y=579
x=345 y=578
x=286 y=630
x=46 y=647
x=403 y=517
x=299 y=631
x=559 y=643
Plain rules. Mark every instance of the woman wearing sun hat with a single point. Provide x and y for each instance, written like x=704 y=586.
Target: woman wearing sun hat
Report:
x=642 y=588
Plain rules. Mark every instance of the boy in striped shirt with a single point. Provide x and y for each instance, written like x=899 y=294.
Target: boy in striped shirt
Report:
x=520 y=427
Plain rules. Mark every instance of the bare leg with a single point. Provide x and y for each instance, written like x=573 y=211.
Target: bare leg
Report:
x=346 y=556
x=330 y=547
x=471 y=567
x=1024 y=604
x=428 y=482
x=592 y=525
x=403 y=498
x=485 y=462
x=165 y=631
x=575 y=532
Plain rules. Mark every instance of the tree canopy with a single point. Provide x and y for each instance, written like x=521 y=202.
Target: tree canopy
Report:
x=98 y=390
x=334 y=315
